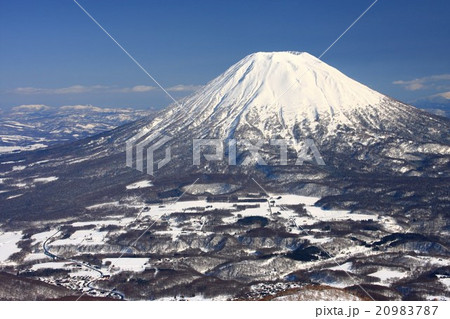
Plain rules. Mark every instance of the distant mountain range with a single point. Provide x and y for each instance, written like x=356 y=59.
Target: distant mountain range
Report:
x=438 y=104
x=362 y=135
x=29 y=127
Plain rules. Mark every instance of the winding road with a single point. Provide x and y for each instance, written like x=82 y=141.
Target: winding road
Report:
x=112 y=292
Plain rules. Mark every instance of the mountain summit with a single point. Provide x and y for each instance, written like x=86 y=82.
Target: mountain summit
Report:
x=295 y=86
x=294 y=95
x=362 y=135
x=278 y=90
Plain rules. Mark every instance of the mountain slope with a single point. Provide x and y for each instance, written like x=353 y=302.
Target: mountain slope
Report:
x=380 y=204
x=286 y=87
x=295 y=96
x=28 y=127
x=372 y=145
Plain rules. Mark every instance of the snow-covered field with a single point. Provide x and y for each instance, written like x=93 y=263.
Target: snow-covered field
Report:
x=126 y=264
x=45 y=179
x=14 y=149
x=8 y=244
x=324 y=294
x=105 y=222
x=185 y=225
x=14 y=196
x=278 y=203
x=387 y=275
x=52 y=265
x=315 y=214
x=57 y=125
x=194 y=298
x=42 y=236
x=82 y=237
x=141 y=184
x=344 y=267
x=35 y=256
x=18 y=168
x=213 y=188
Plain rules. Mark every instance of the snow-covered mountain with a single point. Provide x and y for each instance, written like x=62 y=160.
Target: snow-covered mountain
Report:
x=36 y=126
x=362 y=135
x=379 y=203
x=275 y=91
x=438 y=104
x=296 y=96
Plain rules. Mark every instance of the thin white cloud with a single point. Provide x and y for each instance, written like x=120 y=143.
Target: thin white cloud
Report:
x=134 y=89
x=74 y=89
x=78 y=107
x=444 y=95
x=426 y=82
x=439 y=98
x=31 y=107
x=42 y=107
x=88 y=107
x=184 y=88
x=142 y=88
x=80 y=89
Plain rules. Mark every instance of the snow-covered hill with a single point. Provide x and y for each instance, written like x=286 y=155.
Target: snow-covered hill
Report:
x=296 y=96
x=28 y=127
x=379 y=206
x=363 y=136
x=274 y=91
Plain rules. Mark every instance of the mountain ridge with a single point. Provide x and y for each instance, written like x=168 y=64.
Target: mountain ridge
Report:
x=396 y=145
x=361 y=124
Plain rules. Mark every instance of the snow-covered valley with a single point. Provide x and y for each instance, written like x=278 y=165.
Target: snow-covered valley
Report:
x=268 y=244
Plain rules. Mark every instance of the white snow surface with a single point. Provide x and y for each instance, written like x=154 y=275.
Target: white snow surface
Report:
x=386 y=275
x=14 y=196
x=10 y=149
x=18 y=168
x=45 y=179
x=271 y=91
x=8 y=244
x=140 y=184
x=127 y=264
x=52 y=265
x=35 y=256
x=314 y=86
x=212 y=188
x=347 y=267
x=83 y=237
x=41 y=237
x=315 y=214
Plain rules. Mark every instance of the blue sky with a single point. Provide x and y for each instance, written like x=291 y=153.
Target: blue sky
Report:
x=52 y=53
